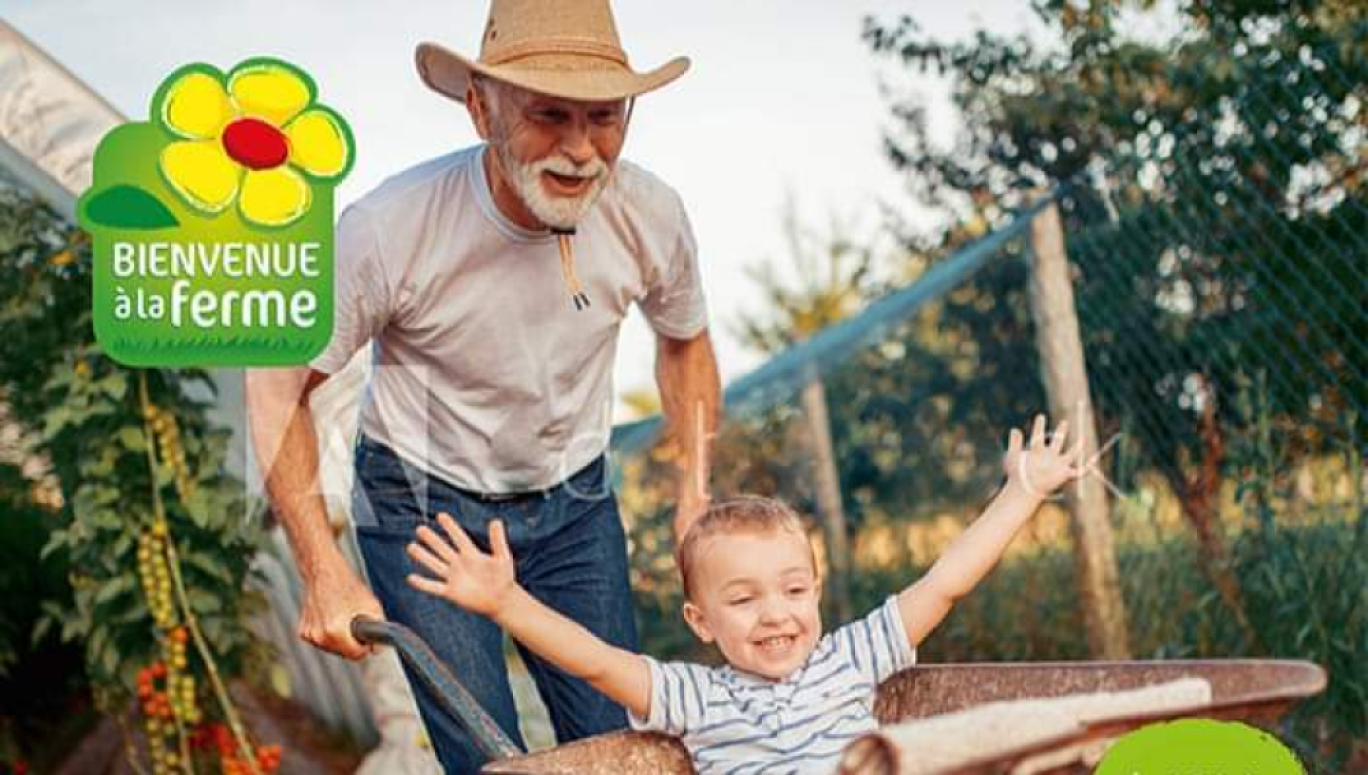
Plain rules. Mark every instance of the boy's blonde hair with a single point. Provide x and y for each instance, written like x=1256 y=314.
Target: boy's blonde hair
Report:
x=742 y=514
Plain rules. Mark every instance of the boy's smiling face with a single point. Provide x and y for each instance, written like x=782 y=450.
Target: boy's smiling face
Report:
x=756 y=595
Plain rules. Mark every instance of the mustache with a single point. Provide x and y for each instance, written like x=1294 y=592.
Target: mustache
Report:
x=594 y=168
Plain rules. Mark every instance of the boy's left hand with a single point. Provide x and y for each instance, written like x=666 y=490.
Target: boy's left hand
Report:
x=1046 y=464
x=477 y=581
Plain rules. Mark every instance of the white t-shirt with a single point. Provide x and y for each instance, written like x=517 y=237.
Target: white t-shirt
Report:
x=485 y=373
x=733 y=722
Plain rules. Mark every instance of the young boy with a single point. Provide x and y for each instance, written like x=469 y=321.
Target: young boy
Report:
x=788 y=699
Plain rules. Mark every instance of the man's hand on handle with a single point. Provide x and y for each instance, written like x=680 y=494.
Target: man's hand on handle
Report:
x=331 y=601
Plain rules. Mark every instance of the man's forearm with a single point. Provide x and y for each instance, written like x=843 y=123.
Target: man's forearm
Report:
x=690 y=393
x=286 y=447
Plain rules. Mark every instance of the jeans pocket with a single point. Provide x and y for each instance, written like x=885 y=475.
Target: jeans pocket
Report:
x=389 y=496
x=381 y=471
x=391 y=514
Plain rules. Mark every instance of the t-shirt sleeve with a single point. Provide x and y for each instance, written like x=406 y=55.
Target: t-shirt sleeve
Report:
x=679 y=698
x=878 y=645
x=362 y=292
x=674 y=304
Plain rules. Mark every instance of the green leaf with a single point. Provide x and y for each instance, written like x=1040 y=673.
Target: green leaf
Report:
x=107 y=519
x=209 y=566
x=99 y=408
x=109 y=660
x=104 y=494
x=212 y=626
x=95 y=643
x=128 y=672
x=57 y=540
x=195 y=507
x=122 y=544
x=55 y=420
x=135 y=612
x=83 y=595
x=44 y=625
x=202 y=602
x=133 y=439
x=115 y=385
x=71 y=628
x=127 y=207
x=98 y=469
x=114 y=588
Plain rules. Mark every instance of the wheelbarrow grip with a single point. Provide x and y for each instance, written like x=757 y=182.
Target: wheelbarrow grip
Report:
x=454 y=698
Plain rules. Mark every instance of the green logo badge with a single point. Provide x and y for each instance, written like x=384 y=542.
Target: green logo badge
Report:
x=1199 y=746
x=212 y=222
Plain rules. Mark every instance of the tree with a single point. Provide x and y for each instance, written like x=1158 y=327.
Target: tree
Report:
x=1213 y=196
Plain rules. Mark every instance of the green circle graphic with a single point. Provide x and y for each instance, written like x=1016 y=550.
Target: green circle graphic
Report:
x=1192 y=746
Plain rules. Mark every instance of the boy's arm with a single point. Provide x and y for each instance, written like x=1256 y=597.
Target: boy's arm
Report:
x=621 y=675
x=1032 y=474
x=969 y=558
x=484 y=584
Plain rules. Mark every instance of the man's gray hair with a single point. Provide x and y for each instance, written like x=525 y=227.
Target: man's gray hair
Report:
x=495 y=95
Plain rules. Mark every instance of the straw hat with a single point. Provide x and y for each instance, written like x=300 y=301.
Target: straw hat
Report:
x=566 y=48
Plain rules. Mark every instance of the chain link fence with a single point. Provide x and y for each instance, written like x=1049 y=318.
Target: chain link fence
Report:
x=1220 y=270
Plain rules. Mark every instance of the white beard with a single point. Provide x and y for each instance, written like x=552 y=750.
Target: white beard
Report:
x=557 y=212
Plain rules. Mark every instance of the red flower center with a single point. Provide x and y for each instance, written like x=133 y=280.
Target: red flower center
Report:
x=255 y=144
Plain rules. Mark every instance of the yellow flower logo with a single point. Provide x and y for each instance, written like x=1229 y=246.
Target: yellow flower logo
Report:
x=255 y=137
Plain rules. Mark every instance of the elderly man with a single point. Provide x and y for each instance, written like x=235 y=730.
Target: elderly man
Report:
x=492 y=282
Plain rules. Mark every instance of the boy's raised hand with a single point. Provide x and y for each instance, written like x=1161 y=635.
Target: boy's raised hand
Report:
x=478 y=582
x=1045 y=463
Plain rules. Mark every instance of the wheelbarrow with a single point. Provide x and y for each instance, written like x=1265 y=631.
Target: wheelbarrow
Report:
x=1254 y=691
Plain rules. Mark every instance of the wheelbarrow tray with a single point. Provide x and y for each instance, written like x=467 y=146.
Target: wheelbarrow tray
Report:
x=1255 y=691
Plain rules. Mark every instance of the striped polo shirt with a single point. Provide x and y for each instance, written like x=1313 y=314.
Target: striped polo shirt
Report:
x=735 y=722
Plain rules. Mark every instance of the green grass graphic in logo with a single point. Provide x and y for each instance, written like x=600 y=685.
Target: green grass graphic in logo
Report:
x=1193 y=746
x=212 y=223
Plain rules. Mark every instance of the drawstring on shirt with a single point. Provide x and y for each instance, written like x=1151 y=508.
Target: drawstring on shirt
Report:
x=567 y=257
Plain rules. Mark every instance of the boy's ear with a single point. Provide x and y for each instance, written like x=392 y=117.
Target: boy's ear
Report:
x=693 y=616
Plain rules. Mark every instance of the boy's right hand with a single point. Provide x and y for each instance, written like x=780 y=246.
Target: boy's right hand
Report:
x=1045 y=463
x=478 y=582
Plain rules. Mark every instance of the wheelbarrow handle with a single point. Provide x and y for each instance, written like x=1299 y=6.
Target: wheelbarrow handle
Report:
x=454 y=698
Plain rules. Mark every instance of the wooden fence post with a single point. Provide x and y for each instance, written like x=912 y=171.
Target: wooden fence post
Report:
x=827 y=484
x=1065 y=376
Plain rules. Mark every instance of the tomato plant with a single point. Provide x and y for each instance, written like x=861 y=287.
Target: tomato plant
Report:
x=157 y=536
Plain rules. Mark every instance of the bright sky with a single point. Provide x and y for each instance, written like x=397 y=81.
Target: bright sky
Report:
x=783 y=98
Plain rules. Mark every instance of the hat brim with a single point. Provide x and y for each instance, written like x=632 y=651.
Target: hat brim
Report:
x=565 y=76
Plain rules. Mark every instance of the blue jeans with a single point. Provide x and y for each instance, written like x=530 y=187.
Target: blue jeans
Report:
x=570 y=551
